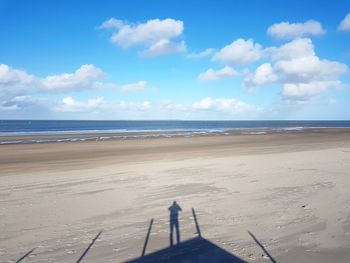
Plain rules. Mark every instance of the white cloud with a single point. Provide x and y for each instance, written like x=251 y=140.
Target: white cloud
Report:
x=239 y=52
x=68 y=104
x=155 y=35
x=263 y=74
x=98 y=105
x=293 y=30
x=15 y=86
x=10 y=77
x=230 y=105
x=205 y=53
x=163 y=47
x=296 y=61
x=150 y=32
x=210 y=74
x=304 y=91
x=16 y=102
x=16 y=82
x=111 y=23
x=296 y=48
x=86 y=77
x=300 y=71
x=24 y=106
x=345 y=23
x=22 y=94
x=138 y=86
x=227 y=106
x=309 y=68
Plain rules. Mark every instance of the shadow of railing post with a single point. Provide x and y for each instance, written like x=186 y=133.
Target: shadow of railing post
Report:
x=88 y=248
x=147 y=238
x=196 y=222
x=196 y=249
x=262 y=247
x=25 y=255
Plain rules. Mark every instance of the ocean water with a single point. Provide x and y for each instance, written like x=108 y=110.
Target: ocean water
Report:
x=145 y=128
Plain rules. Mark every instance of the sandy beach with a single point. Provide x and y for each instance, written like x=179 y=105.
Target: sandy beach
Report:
x=290 y=190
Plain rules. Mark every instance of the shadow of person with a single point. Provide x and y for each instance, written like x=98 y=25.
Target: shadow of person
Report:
x=195 y=250
x=174 y=210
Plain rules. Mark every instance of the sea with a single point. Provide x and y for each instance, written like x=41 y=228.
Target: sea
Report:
x=90 y=130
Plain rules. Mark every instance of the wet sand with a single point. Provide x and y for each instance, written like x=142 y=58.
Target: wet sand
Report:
x=289 y=189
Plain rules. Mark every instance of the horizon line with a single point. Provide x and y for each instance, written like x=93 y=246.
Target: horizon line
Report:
x=185 y=120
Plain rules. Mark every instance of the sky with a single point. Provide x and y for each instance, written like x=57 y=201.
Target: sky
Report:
x=183 y=60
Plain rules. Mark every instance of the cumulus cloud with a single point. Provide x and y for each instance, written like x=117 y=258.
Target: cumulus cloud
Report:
x=86 y=77
x=163 y=47
x=211 y=74
x=303 y=91
x=293 y=30
x=263 y=74
x=297 y=62
x=10 y=77
x=309 y=68
x=15 y=86
x=17 y=102
x=24 y=106
x=156 y=36
x=206 y=53
x=138 y=86
x=345 y=23
x=300 y=71
x=224 y=105
x=111 y=23
x=239 y=52
x=296 y=48
x=21 y=92
x=150 y=32
x=229 y=106
x=99 y=104
x=68 y=104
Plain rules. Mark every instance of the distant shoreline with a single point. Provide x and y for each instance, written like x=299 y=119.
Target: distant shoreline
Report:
x=132 y=135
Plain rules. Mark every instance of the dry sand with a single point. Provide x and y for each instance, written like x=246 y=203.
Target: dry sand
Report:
x=291 y=190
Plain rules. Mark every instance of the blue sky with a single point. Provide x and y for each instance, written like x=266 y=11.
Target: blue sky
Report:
x=174 y=59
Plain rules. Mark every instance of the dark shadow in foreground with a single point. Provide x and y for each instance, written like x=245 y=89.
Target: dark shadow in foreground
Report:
x=174 y=210
x=262 y=247
x=147 y=238
x=197 y=249
x=24 y=256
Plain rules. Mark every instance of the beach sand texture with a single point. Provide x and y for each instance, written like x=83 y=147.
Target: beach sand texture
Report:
x=290 y=190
